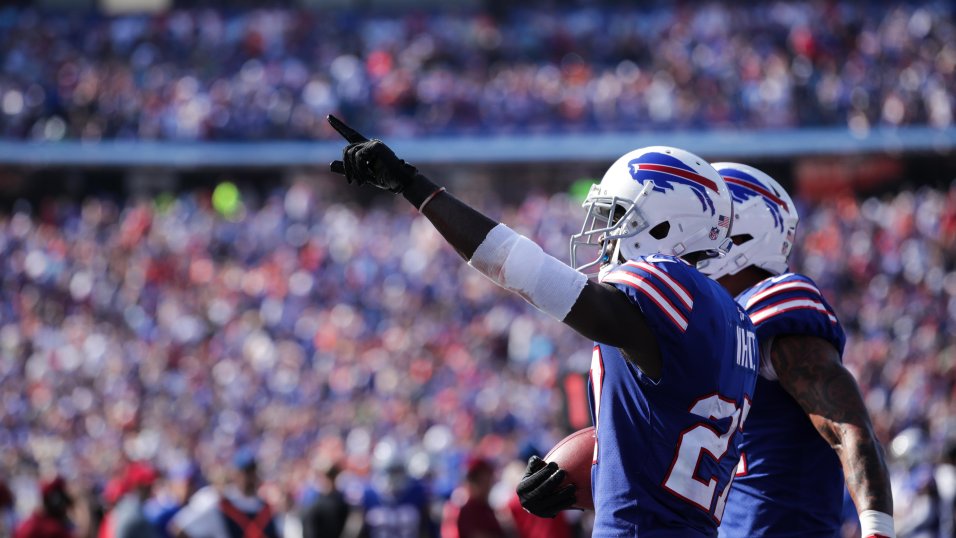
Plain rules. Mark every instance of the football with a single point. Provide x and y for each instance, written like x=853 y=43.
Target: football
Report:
x=574 y=454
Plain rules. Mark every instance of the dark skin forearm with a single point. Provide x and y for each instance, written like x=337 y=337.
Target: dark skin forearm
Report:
x=809 y=369
x=462 y=226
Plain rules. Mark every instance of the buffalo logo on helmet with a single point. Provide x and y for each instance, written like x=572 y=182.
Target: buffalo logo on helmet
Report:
x=664 y=171
x=744 y=186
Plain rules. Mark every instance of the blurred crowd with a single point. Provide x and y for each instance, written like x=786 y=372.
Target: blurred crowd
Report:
x=319 y=334
x=345 y=350
x=204 y=74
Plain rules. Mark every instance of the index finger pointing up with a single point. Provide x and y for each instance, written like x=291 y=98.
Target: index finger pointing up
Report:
x=348 y=133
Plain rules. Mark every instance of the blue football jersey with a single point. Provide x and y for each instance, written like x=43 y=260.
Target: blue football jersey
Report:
x=666 y=448
x=789 y=482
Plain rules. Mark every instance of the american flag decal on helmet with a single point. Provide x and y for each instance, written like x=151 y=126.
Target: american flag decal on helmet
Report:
x=723 y=221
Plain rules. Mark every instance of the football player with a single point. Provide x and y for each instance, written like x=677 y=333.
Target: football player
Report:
x=675 y=359
x=808 y=420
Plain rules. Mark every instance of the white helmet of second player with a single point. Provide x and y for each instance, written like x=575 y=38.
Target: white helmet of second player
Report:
x=654 y=200
x=765 y=221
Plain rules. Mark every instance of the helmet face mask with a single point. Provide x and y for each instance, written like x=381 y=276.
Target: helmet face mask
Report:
x=665 y=200
x=598 y=244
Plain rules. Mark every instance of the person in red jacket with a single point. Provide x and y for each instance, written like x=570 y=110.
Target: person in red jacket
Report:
x=528 y=525
x=468 y=513
x=51 y=519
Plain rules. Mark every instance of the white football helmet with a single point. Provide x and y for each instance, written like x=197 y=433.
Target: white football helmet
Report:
x=653 y=200
x=765 y=221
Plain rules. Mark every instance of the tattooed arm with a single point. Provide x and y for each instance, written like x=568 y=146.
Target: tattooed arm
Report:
x=809 y=369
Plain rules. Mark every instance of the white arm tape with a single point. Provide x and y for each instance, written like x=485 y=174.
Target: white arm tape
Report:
x=518 y=264
x=874 y=523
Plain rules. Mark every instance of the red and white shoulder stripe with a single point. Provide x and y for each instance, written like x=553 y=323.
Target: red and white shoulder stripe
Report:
x=788 y=305
x=783 y=287
x=653 y=284
x=679 y=290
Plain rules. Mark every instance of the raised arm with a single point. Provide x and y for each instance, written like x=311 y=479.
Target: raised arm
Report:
x=600 y=312
x=597 y=311
x=809 y=369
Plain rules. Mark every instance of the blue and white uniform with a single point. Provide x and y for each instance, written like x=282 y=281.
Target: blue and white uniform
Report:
x=666 y=448
x=789 y=482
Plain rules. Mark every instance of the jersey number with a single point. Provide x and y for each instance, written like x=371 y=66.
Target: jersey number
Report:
x=682 y=478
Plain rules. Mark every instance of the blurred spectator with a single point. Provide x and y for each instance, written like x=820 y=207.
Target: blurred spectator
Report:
x=113 y=492
x=238 y=512
x=51 y=519
x=254 y=74
x=922 y=516
x=945 y=477
x=395 y=505
x=181 y=483
x=7 y=512
x=468 y=513
x=128 y=517
x=203 y=501
x=328 y=513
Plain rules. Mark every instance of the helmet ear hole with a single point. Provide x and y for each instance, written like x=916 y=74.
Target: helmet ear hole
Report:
x=660 y=231
x=741 y=239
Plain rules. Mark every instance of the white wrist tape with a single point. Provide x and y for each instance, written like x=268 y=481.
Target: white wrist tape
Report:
x=875 y=523
x=518 y=264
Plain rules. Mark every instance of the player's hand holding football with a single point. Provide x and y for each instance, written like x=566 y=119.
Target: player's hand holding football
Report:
x=540 y=490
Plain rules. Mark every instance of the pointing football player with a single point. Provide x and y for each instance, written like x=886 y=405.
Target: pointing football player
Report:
x=808 y=420
x=675 y=359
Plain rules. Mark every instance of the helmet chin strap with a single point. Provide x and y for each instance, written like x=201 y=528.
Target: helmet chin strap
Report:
x=612 y=255
x=611 y=261
x=736 y=260
x=740 y=263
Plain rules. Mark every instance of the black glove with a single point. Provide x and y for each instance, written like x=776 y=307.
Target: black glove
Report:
x=540 y=490
x=370 y=162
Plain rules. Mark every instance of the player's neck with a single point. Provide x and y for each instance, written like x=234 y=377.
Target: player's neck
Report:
x=744 y=279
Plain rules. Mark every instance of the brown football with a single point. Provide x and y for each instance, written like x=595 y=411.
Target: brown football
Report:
x=574 y=454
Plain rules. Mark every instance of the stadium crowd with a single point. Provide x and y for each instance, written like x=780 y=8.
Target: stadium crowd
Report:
x=203 y=74
x=316 y=334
